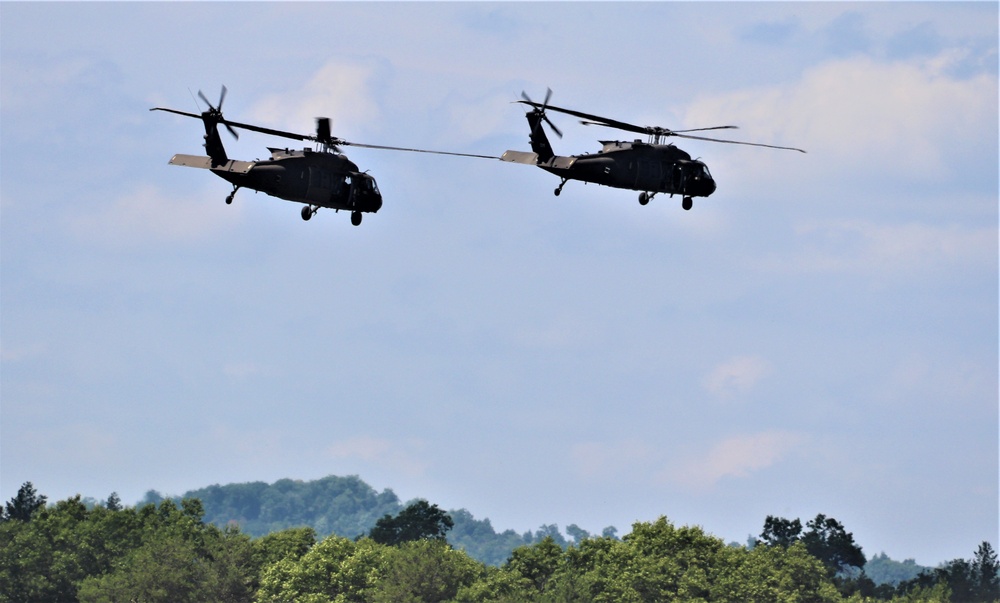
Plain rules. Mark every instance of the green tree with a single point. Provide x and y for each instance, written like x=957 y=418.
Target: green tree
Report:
x=479 y=539
x=178 y=559
x=985 y=573
x=292 y=544
x=345 y=506
x=577 y=533
x=884 y=570
x=968 y=581
x=417 y=521
x=43 y=559
x=661 y=562
x=24 y=504
x=828 y=541
x=336 y=569
x=536 y=563
x=496 y=585
x=779 y=531
x=425 y=571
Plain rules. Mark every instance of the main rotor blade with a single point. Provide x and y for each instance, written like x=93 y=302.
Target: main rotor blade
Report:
x=621 y=125
x=597 y=119
x=184 y=113
x=749 y=144
x=589 y=119
x=679 y=132
x=385 y=148
x=273 y=132
x=331 y=140
x=235 y=124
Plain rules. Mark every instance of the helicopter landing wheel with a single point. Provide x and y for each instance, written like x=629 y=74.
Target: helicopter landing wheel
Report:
x=644 y=198
x=307 y=212
x=687 y=203
x=356 y=218
x=229 y=200
x=559 y=188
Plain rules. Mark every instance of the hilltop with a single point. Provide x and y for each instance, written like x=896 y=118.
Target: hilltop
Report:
x=349 y=507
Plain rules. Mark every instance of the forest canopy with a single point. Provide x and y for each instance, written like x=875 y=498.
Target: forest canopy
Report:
x=167 y=551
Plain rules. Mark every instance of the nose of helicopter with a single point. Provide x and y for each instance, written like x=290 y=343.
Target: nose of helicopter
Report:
x=709 y=186
x=701 y=187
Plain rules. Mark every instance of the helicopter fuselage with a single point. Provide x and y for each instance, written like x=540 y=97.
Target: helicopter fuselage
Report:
x=640 y=166
x=637 y=166
x=648 y=167
x=318 y=179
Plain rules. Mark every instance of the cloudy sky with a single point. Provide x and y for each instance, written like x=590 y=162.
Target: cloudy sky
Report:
x=819 y=336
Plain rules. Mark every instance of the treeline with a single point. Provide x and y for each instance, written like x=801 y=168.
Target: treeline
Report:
x=349 y=507
x=168 y=552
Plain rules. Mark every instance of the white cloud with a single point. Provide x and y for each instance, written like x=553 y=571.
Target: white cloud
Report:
x=738 y=456
x=479 y=117
x=340 y=90
x=862 y=116
x=736 y=376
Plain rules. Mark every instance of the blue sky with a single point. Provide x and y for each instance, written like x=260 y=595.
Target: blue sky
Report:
x=819 y=336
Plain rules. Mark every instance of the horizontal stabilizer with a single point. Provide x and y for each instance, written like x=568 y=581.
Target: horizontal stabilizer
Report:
x=520 y=157
x=205 y=163
x=194 y=161
x=562 y=163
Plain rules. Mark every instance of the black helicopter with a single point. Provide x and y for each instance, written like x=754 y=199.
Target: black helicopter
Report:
x=651 y=167
x=318 y=178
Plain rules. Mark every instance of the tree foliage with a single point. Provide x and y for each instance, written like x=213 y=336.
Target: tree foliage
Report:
x=24 y=505
x=883 y=570
x=967 y=581
x=825 y=538
x=779 y=531
x=74 y=551
x=418 y=521
x=346 y=506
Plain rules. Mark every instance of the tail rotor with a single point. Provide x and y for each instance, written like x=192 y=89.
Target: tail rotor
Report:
x=540 y=111
x=212 y=118
x=214 y=114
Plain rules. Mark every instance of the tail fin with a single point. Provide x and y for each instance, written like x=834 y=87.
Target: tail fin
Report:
x=212 y=118
x=539 y=141
x=213 y=142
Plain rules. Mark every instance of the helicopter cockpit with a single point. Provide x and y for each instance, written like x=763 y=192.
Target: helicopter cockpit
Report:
x=365 y=195
x=698 y=182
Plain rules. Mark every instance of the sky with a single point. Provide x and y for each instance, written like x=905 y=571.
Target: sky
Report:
x=818 y=336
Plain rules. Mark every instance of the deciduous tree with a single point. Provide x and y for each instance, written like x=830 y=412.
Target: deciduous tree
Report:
x=418 y=521
x=827 y=540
